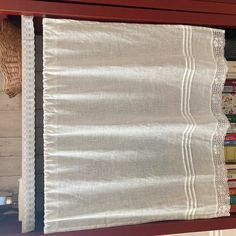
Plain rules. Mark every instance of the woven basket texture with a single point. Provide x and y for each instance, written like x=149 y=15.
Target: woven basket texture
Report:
x=10 y=58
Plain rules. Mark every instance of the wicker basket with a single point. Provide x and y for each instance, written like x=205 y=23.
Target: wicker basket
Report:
x=10 y=58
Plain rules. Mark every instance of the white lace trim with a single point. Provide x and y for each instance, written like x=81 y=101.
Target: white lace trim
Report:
x=223 y=124
x=28 y=122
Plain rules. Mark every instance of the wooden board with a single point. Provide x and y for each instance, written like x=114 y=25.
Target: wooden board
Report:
x=9 y=104
x=10 y=141
x=202 y=12
x=10 y=124
x=158 y=228
x=10 y=147
x=9 y=183
x=225 y=6
x=10 y=166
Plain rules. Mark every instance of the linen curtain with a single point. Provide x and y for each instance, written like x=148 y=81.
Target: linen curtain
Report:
x=133 y=127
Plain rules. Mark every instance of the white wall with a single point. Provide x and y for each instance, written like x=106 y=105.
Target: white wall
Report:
x=10 y=141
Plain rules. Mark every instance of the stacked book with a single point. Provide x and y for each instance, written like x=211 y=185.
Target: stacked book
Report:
x=231 y=168
x=229 y=108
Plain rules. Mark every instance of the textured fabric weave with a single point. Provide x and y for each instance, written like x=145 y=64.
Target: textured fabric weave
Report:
x=133 y=127
x=10 y=58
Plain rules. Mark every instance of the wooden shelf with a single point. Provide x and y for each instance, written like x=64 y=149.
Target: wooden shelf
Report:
x=205 y=13
x=11 y=226
x=160 y=228
x=155 y=228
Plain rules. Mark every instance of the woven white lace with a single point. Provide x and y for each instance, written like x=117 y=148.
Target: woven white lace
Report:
x=223 y=123
x=28 y=121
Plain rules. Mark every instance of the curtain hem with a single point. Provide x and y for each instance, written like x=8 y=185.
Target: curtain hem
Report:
x=222 y=189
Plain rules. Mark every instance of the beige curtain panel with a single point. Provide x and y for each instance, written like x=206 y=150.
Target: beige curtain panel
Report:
x=133 y=127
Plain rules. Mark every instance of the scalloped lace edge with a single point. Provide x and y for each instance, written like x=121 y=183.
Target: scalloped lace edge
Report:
x=223 y=198
x=28 y=124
